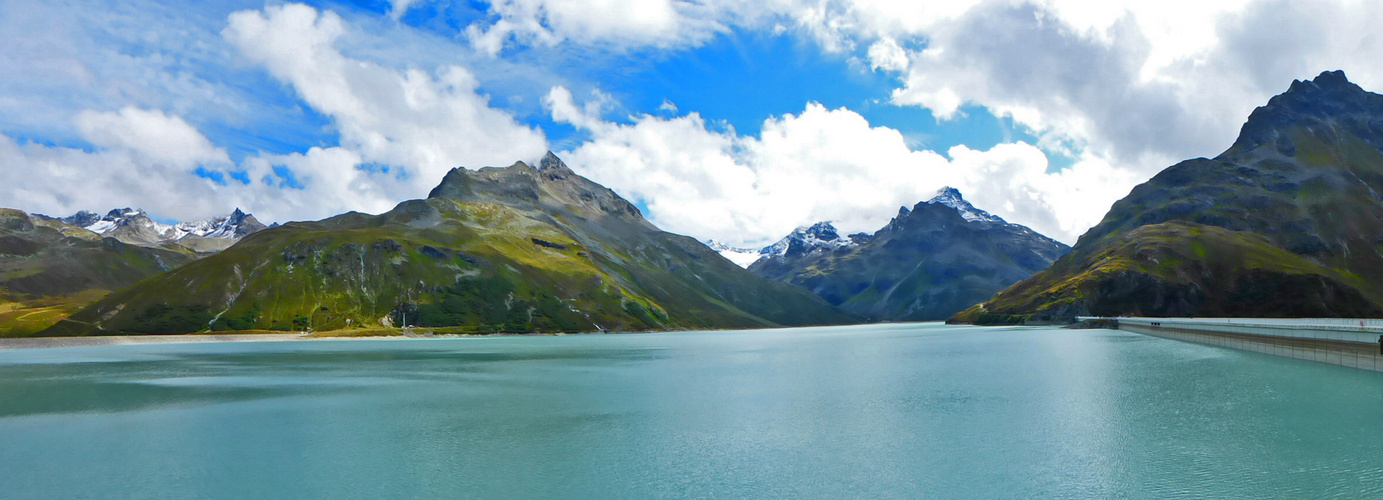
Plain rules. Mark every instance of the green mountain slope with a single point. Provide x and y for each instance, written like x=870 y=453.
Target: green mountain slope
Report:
x=49 y=269
x=1288 y=222
x=928 y=263
x=515 y=249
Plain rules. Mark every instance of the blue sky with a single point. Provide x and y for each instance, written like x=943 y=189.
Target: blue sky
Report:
x=720 y=119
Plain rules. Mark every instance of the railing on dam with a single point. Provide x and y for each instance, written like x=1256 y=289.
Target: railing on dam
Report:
x=1341 y=329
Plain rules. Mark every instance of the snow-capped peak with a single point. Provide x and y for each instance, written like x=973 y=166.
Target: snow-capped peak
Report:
x=807 y=239
x=230 y=226
x=950 y=197
x=134 y=226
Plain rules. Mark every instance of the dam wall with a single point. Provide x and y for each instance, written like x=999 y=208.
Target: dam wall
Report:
x=1345 y=342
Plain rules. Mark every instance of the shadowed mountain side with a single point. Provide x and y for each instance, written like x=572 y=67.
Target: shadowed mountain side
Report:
x=516 y=249
x=1288 y=222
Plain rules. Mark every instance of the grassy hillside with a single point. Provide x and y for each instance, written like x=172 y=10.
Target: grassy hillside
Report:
x=517 y=249
x=1286 y=223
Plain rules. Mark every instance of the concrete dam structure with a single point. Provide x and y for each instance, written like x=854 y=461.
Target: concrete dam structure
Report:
x=1346 y=342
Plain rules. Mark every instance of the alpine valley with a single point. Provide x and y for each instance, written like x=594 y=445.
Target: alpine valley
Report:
x=516 y=249
x=1285 y=223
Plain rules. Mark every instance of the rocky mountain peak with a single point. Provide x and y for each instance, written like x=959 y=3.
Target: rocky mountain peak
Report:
x=951 y=197
x=824 y=231
x=1330 y=101
x=82 y=218
x=553 y=168
x=551 y=186
x=807 y=239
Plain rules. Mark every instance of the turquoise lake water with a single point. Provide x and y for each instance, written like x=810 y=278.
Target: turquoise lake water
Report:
x=904 y=410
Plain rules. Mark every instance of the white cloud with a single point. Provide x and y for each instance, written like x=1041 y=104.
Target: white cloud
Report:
x=1139 y=85
x=162 y=139
x=821 y=164
x=423 y=122
x=560 y=103
x=1126 y=87
x=885 y=54
x=615 y=23
x=144 y=158
x=148 y=159
x=418 y=124
x=397 y=8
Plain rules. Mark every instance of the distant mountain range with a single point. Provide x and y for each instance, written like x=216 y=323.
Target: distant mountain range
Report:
x=134 y=226
x=927 y=263
x=516 y=249
x=1288 y=222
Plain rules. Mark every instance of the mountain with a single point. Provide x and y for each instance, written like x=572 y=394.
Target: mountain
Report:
x=742 y=257
x=513 y=249
x=134 y=226
x=821 y=236
x=50 y=269
x=1287 y=222
x=927 y=263
x=808 y=240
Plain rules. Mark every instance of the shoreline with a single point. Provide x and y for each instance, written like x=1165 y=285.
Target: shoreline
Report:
x=17 y=343
x=56 y=342
x=8 y=344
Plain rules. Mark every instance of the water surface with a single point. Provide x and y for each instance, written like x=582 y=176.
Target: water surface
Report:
x=906 y=410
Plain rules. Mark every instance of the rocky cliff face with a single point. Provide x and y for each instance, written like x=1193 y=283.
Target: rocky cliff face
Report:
x=1287 y=222
x=514 y=249
x=927 y=263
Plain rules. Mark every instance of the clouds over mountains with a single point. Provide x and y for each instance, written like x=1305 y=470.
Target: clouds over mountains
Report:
x=301 y=112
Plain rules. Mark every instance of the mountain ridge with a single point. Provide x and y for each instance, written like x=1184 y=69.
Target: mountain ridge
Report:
x=927 y=263
x=497 y=249
x=1296 y=195
x=134 y=226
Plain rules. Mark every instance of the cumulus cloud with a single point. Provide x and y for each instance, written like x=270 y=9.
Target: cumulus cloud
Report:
x=400 y=130
x=887 y=55
x=142 y=155
x=1123 y=87
x=1126 y=85
x=162 y=139
x=422 y=122
x=150 y=160
x=821 y=164
x=1138 y=84
x=616 y=23
x=630 y=24
x=1078 y=90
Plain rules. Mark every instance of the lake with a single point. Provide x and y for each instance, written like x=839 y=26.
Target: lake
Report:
x=898 y=410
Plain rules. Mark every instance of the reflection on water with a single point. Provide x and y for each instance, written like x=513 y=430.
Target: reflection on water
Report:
x=883 y=410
